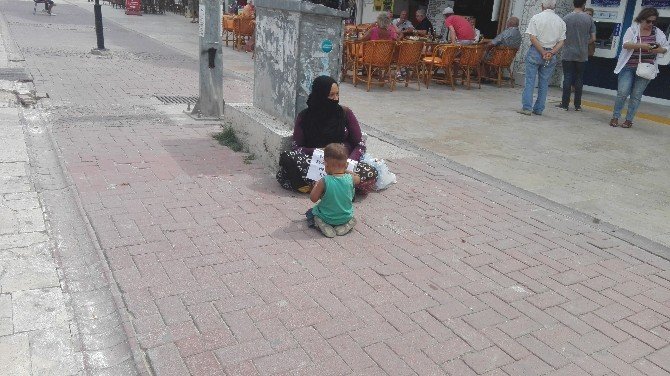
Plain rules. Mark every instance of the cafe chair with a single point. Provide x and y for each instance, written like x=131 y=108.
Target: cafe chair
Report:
x=243 y=27
x=351 y=59
x=501 y=59
x=375 y=62
x=409 y=60
x=228 y=27
x=443 y=58
x=470 y=62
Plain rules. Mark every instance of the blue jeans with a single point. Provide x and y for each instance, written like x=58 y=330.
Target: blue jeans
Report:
x=573 y=75
x=631 y=84
x=536 y=67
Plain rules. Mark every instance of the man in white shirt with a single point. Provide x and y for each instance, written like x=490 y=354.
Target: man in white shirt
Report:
x=547 y=34
x=402 y=23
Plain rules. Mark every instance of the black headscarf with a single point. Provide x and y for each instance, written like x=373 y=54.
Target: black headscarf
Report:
x=323 y=121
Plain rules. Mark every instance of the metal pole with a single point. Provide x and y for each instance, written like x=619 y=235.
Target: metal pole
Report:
x=210 y=102
x=97 y=11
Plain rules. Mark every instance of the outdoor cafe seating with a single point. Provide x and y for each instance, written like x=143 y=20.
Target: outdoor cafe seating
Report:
x=442 y=59
x=470 y=62
x=501 y=59
x=228 y=28
x=243 y=29
x=420 y=59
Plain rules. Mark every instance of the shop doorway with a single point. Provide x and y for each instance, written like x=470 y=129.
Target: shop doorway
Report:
x=415 y=5
x=483 y=13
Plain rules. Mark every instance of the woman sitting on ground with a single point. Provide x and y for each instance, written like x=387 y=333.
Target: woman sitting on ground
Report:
x=382 y=30
x=323 y=122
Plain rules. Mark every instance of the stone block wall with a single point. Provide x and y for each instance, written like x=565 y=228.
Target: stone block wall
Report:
x=434 y=13
x=525 y=9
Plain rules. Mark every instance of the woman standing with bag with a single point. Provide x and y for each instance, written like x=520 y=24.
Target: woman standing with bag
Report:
x=637 y=65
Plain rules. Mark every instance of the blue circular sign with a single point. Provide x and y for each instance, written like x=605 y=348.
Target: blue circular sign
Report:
x=326 y=45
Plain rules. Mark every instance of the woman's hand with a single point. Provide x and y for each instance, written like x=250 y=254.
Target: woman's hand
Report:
x=647 y=47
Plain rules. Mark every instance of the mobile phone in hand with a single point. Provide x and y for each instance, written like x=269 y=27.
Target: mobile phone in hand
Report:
x=654 y=46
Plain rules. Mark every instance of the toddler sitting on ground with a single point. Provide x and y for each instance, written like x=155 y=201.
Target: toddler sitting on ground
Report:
x=334 y=212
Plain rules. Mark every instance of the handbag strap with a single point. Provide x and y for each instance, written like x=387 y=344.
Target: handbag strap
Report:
x=639 y=36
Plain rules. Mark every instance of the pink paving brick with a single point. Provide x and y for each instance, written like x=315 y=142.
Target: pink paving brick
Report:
x=351 y=353
x=388 y=360
x=282 y=362
x=487 y=359
x=548 y=355
x=445 y=351
x=530 y=365
x=631 y=350
x=204 y=364
x=593 y=342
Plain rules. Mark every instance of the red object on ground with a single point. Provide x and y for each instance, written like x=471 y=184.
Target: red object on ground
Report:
x=134 y=7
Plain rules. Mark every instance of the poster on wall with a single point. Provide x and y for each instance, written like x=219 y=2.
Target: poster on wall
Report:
x=378 y=5
x=656 y=3
x=606 y=3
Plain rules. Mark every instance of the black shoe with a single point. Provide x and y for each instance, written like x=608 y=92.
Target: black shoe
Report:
x=562 y=107
x=578 y=108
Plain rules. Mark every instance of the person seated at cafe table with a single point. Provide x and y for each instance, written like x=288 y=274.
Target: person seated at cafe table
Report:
x=382 y=30
x=459 y=29
x=510 y=37
x=402 y=24
x=424 y=26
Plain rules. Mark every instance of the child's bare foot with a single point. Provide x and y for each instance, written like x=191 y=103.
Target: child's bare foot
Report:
x=345 y=228
x=325 y=228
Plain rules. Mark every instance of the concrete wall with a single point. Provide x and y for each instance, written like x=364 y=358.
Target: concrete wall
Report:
x=434 y=13
x=289 y=55
x=369 y=13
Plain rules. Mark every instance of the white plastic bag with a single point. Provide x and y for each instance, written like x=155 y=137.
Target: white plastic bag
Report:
x=384 y=176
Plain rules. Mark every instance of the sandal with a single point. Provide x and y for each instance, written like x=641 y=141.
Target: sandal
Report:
x=627 y=124
x=614 y=122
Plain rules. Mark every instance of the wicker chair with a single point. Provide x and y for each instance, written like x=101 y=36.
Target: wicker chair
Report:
x=243 y=27
x=501 y=58
x=470 y=61
x=376 y=58
x=350 y=59
x=409 y=58
x=443 y=58
x=228 y=27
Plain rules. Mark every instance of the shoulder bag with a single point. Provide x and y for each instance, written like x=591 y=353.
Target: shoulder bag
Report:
x=645 y=70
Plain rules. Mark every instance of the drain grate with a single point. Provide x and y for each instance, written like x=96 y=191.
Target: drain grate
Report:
x=175 y=99
x=14 y=74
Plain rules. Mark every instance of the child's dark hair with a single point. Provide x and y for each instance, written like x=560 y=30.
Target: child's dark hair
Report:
x=336 y=152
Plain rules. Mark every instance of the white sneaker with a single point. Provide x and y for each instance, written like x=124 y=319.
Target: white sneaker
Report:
x=345 y=228
x=326 y=229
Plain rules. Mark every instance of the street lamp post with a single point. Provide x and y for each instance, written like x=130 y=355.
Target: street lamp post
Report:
x=97 y=11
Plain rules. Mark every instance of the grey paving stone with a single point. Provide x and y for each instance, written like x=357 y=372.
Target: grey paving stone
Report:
x=27 y=268
x=52 y=352
x=40 y=309
x=22 y=240
x=15 y=355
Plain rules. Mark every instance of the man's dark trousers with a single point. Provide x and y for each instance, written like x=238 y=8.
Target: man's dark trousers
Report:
x=573 y=75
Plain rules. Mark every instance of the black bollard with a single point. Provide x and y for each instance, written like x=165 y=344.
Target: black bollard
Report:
x=97 y=10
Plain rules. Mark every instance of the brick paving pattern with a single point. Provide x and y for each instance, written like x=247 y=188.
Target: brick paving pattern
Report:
x=443 y=274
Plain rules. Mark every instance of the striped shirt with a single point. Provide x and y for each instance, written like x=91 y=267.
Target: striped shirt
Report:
x=647 y=57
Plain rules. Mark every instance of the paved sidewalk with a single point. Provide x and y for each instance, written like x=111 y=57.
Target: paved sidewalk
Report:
x=35 y=319
x=445 y=273
x=616 y=175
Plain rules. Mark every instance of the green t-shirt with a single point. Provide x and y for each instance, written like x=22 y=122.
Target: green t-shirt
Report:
x=336 y=207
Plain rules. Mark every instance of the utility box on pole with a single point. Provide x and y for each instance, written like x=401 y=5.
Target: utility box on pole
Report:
x=210 y=102
x=296 y=41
